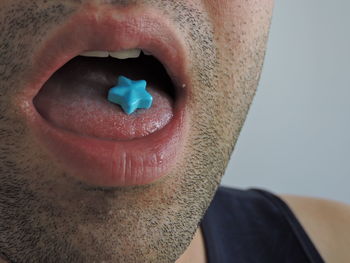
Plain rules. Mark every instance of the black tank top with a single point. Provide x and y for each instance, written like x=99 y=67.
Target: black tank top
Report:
x=254 y=226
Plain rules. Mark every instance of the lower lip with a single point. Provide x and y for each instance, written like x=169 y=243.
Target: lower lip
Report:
x=112 y=163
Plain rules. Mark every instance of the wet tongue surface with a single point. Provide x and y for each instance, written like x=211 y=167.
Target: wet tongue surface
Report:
x=75 y=98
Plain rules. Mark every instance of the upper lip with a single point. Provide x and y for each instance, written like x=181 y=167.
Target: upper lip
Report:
x=104 y=28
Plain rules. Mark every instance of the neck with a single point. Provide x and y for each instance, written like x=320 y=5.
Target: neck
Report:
x=195 y=253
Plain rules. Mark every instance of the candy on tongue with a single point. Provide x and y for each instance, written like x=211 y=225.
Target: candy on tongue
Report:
x=75 y=99
x=130 y=95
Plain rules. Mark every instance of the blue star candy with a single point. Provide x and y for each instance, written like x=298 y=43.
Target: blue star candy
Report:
x=130 y=95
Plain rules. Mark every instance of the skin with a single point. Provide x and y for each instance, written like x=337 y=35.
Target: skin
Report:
x=327 y=224
x=48 y=216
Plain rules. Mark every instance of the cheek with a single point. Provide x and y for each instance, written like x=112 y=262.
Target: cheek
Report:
x=240 y=30
x=236 y=21
x=221 y=7
x=226 y=14
x=239 y=25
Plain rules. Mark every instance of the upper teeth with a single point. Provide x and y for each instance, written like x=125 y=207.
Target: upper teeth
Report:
x=123 y=54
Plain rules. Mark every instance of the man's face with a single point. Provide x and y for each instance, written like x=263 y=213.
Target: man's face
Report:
x=77 y=189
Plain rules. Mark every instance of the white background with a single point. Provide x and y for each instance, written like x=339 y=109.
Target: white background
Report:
x=297 y=135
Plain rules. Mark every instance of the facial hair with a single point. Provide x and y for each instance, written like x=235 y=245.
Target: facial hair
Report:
x=47 y=216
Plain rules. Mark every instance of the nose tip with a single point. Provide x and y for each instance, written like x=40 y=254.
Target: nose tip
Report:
x=107 y=2
x=100 y=6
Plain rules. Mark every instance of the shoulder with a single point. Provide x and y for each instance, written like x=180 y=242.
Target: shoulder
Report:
x=326 y=222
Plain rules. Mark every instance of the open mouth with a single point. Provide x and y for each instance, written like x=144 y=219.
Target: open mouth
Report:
x=75 y=97
x=65 y=97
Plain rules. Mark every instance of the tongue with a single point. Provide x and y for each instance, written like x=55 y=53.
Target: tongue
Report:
x=75 y=98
